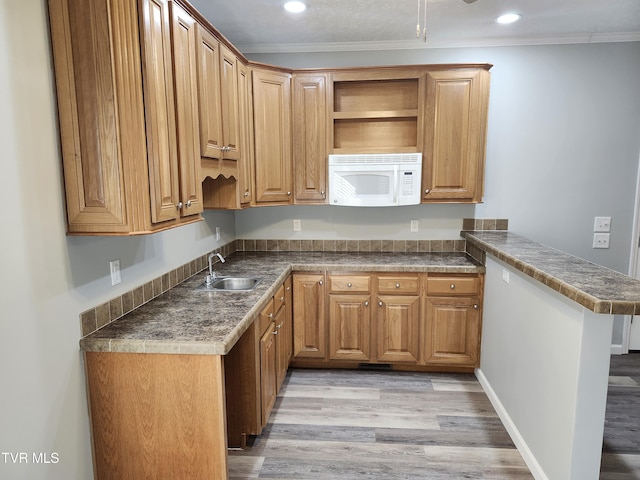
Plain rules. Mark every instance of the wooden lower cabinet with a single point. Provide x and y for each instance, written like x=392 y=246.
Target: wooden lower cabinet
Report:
x=255 y=368
x=157 y=415
x=349 y=326
x=309 y=320
x=398 y=322
x=410 y=321
x=453 y=331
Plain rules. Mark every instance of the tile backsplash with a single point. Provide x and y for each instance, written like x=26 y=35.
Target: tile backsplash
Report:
x=105 y=313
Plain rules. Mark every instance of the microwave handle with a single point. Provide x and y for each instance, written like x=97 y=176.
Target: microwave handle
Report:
x=395 y=185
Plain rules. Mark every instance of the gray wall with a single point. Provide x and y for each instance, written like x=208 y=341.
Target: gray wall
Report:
x=563 y=147
x=540 y=131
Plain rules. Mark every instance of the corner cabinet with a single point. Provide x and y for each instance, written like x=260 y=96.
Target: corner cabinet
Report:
x=272 y=136
x=127 y=121
x=455 y=133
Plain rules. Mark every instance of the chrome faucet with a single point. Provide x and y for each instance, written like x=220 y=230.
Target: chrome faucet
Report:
x=212 y=276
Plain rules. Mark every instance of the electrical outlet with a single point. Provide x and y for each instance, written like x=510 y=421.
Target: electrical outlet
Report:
x=602 y=224
x=505 y=275
x=414 y=225
x=114 y=268
x=601 y=240
x=297 y=226
x=217 y=233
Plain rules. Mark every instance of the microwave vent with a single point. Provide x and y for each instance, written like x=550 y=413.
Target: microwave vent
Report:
x=376 y=158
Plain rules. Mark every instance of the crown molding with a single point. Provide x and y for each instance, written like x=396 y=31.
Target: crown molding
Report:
x=419 y=44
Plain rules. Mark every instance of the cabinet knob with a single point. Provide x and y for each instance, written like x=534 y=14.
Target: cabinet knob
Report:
x=380 y=303
x=288 y=193
x=275 y=332
x=366 y=303
x=270 y=315
x=281 y=298
x=453 y=286
x=288 y=288
x=397 y=285
x=426 y=192
x=320 y=282
x=188 y=203
x=246 y=194
x=476 y=307
x=349 y=285
x=179 y=206
x=322 y=192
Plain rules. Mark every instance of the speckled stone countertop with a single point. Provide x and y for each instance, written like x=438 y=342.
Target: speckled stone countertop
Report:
x=596 y=288
x=184 y=320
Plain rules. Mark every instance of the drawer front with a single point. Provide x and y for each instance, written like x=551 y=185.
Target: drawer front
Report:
x=278 y=299
x=398 y=284
x=349 y=283
x=453 y=286
x=266 y=317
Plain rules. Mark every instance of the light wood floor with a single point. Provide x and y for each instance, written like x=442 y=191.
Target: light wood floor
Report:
x=372 y=425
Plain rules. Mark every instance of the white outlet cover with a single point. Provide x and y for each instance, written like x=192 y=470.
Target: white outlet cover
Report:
x=602 y=224
x=505 y=275
x=414 y=225
x=297 y=226
x=114 y=267
x=601 y=240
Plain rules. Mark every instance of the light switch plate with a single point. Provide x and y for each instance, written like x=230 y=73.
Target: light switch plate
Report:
x=297 y=226
x=114 y=267
x=414 y=226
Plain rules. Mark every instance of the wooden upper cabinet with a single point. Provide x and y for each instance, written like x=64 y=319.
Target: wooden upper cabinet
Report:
x=310 y=137
x=210 y=104
x=183 y=35
x=272 y=136
x=455 y=134
x=229 y=97
x=117 y=111
x=246 y=164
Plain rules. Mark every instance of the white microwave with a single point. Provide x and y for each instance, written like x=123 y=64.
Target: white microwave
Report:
x=375 y=180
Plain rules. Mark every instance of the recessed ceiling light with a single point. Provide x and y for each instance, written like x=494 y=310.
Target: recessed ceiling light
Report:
x=295 y=7
x=508 y=18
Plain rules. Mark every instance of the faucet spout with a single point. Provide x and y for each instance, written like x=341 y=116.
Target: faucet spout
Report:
x=211 y=277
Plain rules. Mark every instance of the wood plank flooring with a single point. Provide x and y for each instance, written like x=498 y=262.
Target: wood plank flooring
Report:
x=375 y=425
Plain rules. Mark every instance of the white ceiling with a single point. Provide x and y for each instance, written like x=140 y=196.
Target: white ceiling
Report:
x=261 y=26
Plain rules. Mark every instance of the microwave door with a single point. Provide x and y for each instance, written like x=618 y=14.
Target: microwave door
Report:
x=364 y=188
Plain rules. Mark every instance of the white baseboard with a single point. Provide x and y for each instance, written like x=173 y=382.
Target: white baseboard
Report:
x=617 y=349
x=512 y=430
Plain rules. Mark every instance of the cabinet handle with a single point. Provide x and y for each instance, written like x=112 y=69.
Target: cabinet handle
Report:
x=320 y=282
x=179 y=206
x=366 y=303
x=380 y=303
x=426 y=192
x=476 y=307
x=397 y=285
x=453 y=286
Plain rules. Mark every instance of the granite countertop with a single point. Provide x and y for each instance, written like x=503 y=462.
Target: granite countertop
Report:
x=596 y=288
x=184 y=320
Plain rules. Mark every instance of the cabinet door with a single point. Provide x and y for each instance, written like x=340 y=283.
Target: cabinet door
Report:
x=229 y=96
x=456 y=117
x=288 y=321
x=272 y=135
x=398 y=324
x=452 y=336
x=281 y=330
x=310 y=138
x=210 y=114
x=349 y=329
x=183 y=34
x=309 y=321
x=267 y=372
x=245 y=164
x=159 y=110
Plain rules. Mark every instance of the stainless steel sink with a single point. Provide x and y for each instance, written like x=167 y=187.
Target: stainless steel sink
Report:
x=231 y=284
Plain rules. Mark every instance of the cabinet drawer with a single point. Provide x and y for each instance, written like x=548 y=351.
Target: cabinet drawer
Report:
x=266 y=317
x=453 y=285
x=349 y=283
x=278 y=299
x=396 y=284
